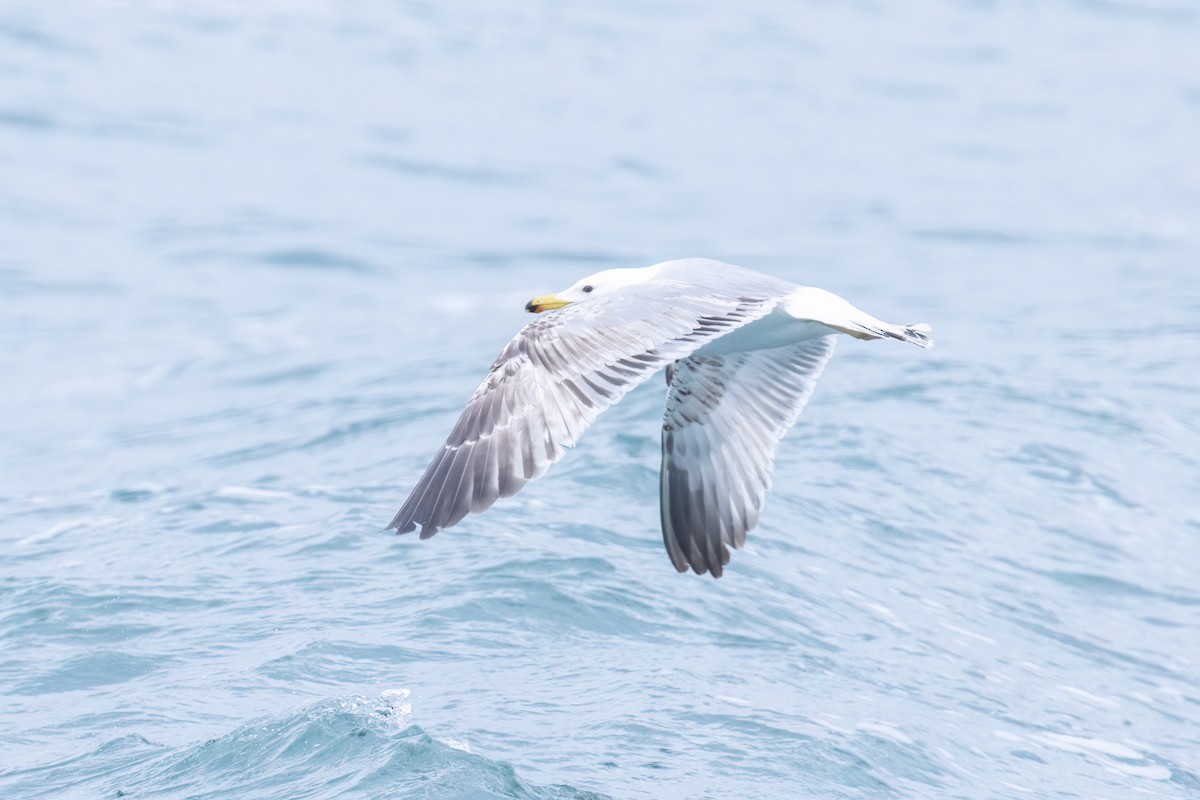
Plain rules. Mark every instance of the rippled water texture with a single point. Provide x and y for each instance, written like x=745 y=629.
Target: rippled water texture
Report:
x=254 y=257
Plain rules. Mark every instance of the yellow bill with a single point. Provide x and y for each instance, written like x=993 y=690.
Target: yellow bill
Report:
x=546 y=302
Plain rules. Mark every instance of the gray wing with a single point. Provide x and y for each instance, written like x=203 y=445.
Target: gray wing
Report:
x=553 y=380
x=723 y=421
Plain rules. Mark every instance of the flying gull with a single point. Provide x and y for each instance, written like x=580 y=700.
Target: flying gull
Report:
x=742 y=352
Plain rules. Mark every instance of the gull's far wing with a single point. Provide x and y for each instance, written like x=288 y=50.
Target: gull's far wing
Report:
x=552 y=381
x=723 y=421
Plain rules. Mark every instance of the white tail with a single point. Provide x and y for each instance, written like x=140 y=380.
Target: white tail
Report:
x=810 y=303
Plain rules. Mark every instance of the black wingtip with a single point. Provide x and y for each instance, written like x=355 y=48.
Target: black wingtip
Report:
x=919 y=335
x=400 y=526
x=715 y=569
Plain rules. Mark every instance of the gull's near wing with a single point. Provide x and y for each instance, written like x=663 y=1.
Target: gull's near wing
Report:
x=553 y=380
x=723 y=421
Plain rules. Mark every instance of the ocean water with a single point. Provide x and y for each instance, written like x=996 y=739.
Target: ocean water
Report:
x=255 y=257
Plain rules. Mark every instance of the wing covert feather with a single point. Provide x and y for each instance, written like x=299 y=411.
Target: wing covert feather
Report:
x=552 y=381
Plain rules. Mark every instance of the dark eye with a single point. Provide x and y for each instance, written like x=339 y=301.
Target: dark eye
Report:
x=588 y=288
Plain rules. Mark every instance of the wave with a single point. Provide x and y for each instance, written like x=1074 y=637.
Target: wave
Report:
x=338 y=748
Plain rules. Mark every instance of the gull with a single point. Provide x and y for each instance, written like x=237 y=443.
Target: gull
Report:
x=742 y=352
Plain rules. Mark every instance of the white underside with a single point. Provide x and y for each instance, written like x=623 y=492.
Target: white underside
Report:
x=807 y=313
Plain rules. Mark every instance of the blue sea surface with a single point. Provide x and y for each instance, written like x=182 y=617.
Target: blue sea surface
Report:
x=254 y=258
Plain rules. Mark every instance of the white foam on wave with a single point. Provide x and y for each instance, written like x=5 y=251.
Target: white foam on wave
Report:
x=884 y=731
x=250 y=494
x=1094 y=699
x=1155 y=772
x=62 y=527
x=392 y=706
x=1085 y=745
x=396 y=706
x=971 y=634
